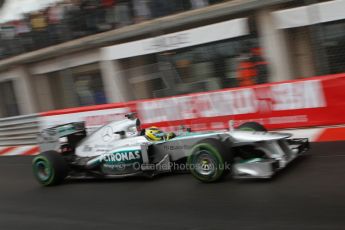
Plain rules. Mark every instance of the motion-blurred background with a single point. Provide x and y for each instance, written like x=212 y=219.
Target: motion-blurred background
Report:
x=62 y=54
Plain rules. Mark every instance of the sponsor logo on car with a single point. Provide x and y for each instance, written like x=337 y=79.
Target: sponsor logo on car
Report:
x=107 y=134
x=176 y=147
x=123 y=156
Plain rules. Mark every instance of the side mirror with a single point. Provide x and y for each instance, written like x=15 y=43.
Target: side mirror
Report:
x=131 y=116
x=121 y=133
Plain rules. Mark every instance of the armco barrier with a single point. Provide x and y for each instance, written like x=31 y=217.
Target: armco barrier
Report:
x=18 y=135
x=19 y=130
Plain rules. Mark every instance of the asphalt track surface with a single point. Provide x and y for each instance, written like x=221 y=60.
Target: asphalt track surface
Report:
x=310 y=194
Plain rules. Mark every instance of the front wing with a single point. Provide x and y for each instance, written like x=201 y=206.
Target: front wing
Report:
x=279 y=155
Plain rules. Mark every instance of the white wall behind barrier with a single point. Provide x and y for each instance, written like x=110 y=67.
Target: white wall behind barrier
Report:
x=66 y=62
x=186 y=38
x=308 y=15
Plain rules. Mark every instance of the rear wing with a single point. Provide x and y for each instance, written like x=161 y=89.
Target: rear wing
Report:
x=49 y=139
x=65 y=129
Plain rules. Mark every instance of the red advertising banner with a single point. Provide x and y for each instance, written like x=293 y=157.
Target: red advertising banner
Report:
x=317 y=101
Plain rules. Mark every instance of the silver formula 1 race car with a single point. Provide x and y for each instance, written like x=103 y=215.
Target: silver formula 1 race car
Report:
x=122 y=149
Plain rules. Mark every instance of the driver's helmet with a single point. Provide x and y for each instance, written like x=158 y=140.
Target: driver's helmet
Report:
x=154 y=134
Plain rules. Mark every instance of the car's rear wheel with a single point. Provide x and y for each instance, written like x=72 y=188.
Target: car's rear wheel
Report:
x=50 y=168
x=210 y=160
x=252 y=126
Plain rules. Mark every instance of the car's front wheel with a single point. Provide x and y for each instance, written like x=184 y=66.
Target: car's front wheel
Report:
x=50 y=168
x=210 y=160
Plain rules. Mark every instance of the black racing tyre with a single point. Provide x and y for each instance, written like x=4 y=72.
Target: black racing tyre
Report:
x=50 y=168
x=210 y=160
x=252 y=126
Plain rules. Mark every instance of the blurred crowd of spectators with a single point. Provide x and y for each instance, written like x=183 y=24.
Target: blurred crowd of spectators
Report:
x=73 y=19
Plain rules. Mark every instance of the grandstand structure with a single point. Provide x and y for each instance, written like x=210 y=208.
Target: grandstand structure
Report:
x=191 y=51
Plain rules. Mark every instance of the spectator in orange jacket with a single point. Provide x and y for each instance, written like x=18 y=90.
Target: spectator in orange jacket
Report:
x=246 y=71
x=251 y=68
x=261 y=65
